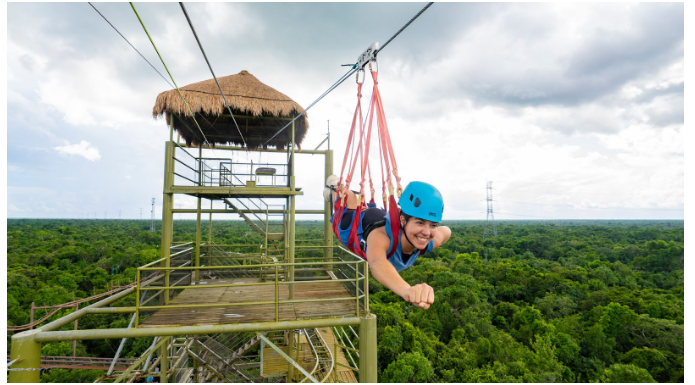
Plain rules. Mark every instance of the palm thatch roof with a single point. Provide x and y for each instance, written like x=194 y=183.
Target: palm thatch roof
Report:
x=259 y=110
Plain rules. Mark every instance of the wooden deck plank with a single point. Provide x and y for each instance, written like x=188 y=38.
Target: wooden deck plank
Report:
x=252 y=313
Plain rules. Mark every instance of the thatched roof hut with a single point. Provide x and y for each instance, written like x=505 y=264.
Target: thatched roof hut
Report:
x=256 y=108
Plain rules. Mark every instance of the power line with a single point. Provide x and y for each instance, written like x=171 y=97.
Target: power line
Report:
x=211 y=71
x=168 y=72
x=350 y=72
x=126 y=40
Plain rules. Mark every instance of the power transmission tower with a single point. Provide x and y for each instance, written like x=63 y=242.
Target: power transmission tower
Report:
x=490 y=227
x=119 y=214
x=152 y=220
x=140 y=212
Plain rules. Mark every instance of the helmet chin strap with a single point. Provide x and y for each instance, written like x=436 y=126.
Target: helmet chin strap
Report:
x=406 y=235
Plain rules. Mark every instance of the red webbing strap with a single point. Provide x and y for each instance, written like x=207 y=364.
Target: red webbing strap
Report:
x=358 y=111
x=339 y=205
x=395 y=225
x=354 y=239
x=385 y=139
x=386 y=158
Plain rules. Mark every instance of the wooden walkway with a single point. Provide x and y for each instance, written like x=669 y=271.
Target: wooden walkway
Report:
x=253 y=313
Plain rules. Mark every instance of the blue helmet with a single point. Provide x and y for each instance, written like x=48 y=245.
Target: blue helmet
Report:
x=422 y=200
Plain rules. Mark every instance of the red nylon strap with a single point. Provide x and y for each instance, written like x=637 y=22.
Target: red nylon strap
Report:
x=395 y=225
x=387 y=159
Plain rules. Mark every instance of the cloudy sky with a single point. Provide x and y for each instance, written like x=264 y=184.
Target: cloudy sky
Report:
x=571 y=110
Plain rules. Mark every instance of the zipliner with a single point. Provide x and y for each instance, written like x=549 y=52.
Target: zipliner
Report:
x=421 y=208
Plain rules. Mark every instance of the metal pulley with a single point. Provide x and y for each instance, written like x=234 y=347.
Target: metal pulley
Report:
x=368 y=56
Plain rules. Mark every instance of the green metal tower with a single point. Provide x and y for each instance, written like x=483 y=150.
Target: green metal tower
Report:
x=269 y=308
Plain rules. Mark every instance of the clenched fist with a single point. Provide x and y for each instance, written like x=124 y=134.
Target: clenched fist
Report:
x=420 y=295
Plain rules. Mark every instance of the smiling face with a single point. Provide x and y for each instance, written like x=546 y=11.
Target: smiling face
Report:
x=418 y=231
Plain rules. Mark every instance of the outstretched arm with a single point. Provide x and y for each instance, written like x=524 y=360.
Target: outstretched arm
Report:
x=441 y=236
x=421 y=295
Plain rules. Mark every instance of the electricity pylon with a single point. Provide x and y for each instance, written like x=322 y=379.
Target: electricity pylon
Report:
x=490 y=227
x=152 y=219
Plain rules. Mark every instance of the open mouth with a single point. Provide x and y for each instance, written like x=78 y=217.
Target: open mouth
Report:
x=422 y=239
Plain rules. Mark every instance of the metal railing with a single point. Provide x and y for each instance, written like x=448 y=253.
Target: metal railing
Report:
x=311 y=267
x=195 y=170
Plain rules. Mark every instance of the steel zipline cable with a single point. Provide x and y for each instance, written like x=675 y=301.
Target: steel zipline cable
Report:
x=404 y=27
x=331 y=88
x=126 y=40
x=350 y=72
x=167 y=69
x=211 y=71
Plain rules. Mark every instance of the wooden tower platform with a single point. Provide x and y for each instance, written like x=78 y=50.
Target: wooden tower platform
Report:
x=253 y=313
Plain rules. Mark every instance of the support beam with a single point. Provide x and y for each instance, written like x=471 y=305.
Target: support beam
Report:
x=167 y=214
x=139 y=361
x=164 y=360
x=288 y=358
x=291 y=229
x=367 y=334
x=238 y=192
x=245 y=211
x=327 y=228
x=97 y=334
x=198 y=240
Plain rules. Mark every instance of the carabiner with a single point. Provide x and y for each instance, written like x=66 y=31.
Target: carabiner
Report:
x=357 y=77
x=375 y=67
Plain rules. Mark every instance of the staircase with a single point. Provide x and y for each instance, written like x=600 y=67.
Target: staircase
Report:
x=251 y=222
x=324 y=356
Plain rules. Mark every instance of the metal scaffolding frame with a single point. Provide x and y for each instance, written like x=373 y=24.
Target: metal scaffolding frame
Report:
x=181 y=268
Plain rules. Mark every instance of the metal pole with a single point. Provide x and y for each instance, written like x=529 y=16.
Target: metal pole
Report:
x=198 y=238
x=291 y=220
x=164 y=361
x=367 y=334
x=198 y=230
x=210 y=229
x=74 y=342
x=120 y=348
x=327 y=228
x=27 y=352
x=167 y=215
x=290 y=346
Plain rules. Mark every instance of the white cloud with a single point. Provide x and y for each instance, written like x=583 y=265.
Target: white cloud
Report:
x=487 y=99
x=83 y=149
x=86 y=94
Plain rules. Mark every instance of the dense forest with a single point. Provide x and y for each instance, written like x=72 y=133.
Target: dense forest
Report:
x=560 y=301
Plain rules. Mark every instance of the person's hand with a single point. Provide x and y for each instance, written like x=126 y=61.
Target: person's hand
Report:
x=420 y=295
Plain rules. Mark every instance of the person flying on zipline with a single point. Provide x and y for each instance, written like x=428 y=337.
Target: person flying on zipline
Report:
x=392 y=238
x=421 y=208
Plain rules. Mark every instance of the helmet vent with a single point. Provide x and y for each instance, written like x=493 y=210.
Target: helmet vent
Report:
x=417 y=202
x=411 y=197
